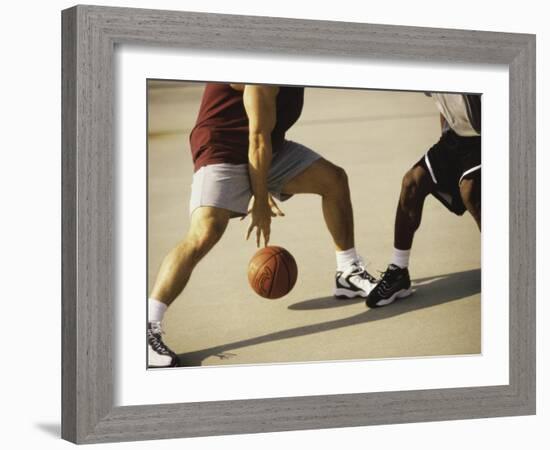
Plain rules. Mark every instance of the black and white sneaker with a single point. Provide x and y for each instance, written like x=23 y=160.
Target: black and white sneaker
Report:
x=395 y=283
x=353 y=282
x=158 y=353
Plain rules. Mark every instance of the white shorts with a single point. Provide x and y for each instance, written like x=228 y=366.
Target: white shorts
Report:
x=227 y=186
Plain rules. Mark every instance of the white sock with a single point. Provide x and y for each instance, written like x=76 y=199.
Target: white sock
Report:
x=401 y=257
x=346 y=258
x=156 y=310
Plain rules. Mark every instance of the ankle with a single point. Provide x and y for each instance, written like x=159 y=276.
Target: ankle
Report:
x=400 y=258
x=155 y=310
x=346 y=258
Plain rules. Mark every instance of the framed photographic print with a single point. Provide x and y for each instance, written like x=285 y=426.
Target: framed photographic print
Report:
x=319 y=315
x=275 y=224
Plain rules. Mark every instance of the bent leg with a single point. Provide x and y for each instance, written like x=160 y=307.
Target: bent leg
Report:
x=470 y=191
x=416 y=186
x=331 y=183
x=207 y=226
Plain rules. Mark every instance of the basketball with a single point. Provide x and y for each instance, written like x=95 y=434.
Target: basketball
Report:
x=272 y=272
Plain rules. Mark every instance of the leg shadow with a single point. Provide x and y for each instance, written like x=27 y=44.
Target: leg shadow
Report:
x=324 y=303
x=429 y=291
x=432 y=291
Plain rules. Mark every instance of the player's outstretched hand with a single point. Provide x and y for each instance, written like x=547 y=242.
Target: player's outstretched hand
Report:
x=260 y=218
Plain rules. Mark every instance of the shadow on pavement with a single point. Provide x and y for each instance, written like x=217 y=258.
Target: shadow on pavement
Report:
x=324 y=303
x=429 y=292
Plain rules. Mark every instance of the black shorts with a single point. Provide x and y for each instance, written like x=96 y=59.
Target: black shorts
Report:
x=451 y=160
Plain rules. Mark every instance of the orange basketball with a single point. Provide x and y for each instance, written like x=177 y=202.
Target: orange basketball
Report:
x=272 y=272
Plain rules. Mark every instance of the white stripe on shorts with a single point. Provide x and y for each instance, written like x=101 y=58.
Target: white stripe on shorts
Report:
x=430 y=168
x=473 y=169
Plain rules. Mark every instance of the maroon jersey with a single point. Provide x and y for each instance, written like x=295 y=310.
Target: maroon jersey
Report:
x=220 y=134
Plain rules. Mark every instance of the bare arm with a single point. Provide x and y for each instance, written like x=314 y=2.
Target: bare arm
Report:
x=260 y=106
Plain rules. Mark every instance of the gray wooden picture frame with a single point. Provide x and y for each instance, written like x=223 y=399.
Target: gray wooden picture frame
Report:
x=90 y=34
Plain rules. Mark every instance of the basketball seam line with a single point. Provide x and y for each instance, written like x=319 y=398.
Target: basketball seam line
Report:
x=274 y=273
x=287 y=274
x=265 y=262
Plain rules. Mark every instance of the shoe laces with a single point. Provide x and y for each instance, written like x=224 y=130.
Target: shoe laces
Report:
x=387 y=276
x=359 y=268
x=154 y=338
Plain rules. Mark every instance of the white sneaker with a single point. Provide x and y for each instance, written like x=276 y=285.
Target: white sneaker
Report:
x=158 y=353
x=353 y=282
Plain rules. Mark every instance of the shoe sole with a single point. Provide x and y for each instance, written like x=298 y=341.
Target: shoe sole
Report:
x=162 y=367
x=403 y=293
x=173 y=364
x=346 y=294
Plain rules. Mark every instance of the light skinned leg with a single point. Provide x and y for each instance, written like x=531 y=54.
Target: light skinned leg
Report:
x=207 y=227
x=470 y=191
x=331 y=183
x=415 y=187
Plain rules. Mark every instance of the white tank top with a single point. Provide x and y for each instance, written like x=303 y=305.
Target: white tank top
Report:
x=454 y=109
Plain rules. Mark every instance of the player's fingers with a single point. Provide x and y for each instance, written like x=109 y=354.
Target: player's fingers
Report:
x=258 y=236
x=249 y=231
x=278 y=211
x=246 y=215
x=266 y=231
x=273 y=206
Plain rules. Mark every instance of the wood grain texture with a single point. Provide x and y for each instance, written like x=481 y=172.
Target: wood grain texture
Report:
x=89 y=36
x=523 y=225
x=68 y=226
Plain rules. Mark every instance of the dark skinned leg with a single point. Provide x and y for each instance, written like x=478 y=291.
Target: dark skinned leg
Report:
x=470 y=191
x=416 y=186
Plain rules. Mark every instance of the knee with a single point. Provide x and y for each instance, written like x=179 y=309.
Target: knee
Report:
x=340 y=176
x=410 y=189
x=414 y=189
x=203 y=237
x=335 y=182
x=209 y=233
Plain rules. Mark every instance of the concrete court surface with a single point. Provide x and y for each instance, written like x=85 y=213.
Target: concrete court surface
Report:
x=376 y=136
